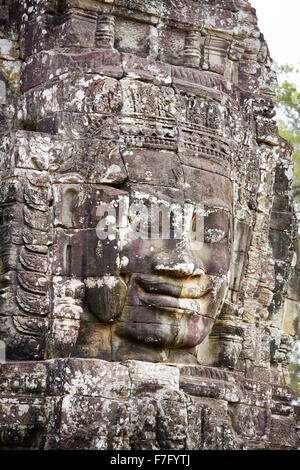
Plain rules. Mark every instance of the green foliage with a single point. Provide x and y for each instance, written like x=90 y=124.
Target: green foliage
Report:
x=294 y=373
x=29 y=124
x=292 y=136
x=288 y=99
x=288 y=102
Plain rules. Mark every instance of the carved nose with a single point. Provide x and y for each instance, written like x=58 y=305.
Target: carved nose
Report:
x=179 y=262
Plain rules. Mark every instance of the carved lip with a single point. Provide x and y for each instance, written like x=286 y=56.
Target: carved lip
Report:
x=163 y=286
x=165 y=295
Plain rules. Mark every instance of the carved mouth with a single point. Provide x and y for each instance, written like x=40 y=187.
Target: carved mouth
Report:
x=191 y=288
x=166 y=294
x=158 y=286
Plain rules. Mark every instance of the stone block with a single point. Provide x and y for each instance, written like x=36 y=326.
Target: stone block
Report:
x=88 y=378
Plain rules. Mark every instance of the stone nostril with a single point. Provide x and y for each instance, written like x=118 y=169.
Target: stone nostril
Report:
x=198 y=271
x=199 y=268
x=169 y=262
x=179 y=270
x=178 y=263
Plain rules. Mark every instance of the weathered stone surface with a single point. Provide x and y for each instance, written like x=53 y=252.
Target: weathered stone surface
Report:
x=94 y=404
x=146 y=226
x=89 y=377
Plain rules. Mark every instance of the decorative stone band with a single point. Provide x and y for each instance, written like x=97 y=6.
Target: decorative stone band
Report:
x=216 y=46
x=167 y=134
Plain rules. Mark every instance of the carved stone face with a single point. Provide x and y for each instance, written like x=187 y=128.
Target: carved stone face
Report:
x=173 y=267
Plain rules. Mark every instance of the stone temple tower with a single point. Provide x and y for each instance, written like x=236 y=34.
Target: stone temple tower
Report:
x=148 y=274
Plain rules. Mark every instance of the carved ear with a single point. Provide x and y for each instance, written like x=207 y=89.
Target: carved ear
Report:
x=105 y=297
x=69 y=200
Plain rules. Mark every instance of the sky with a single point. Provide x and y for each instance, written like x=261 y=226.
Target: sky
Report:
x=279 y=21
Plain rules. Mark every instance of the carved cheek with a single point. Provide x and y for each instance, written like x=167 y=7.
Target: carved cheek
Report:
x=105 y=297
x=217 y=258
x=215 y=298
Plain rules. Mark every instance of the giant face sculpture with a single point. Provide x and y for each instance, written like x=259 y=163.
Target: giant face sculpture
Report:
x=174 y=257
x=155 y=280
